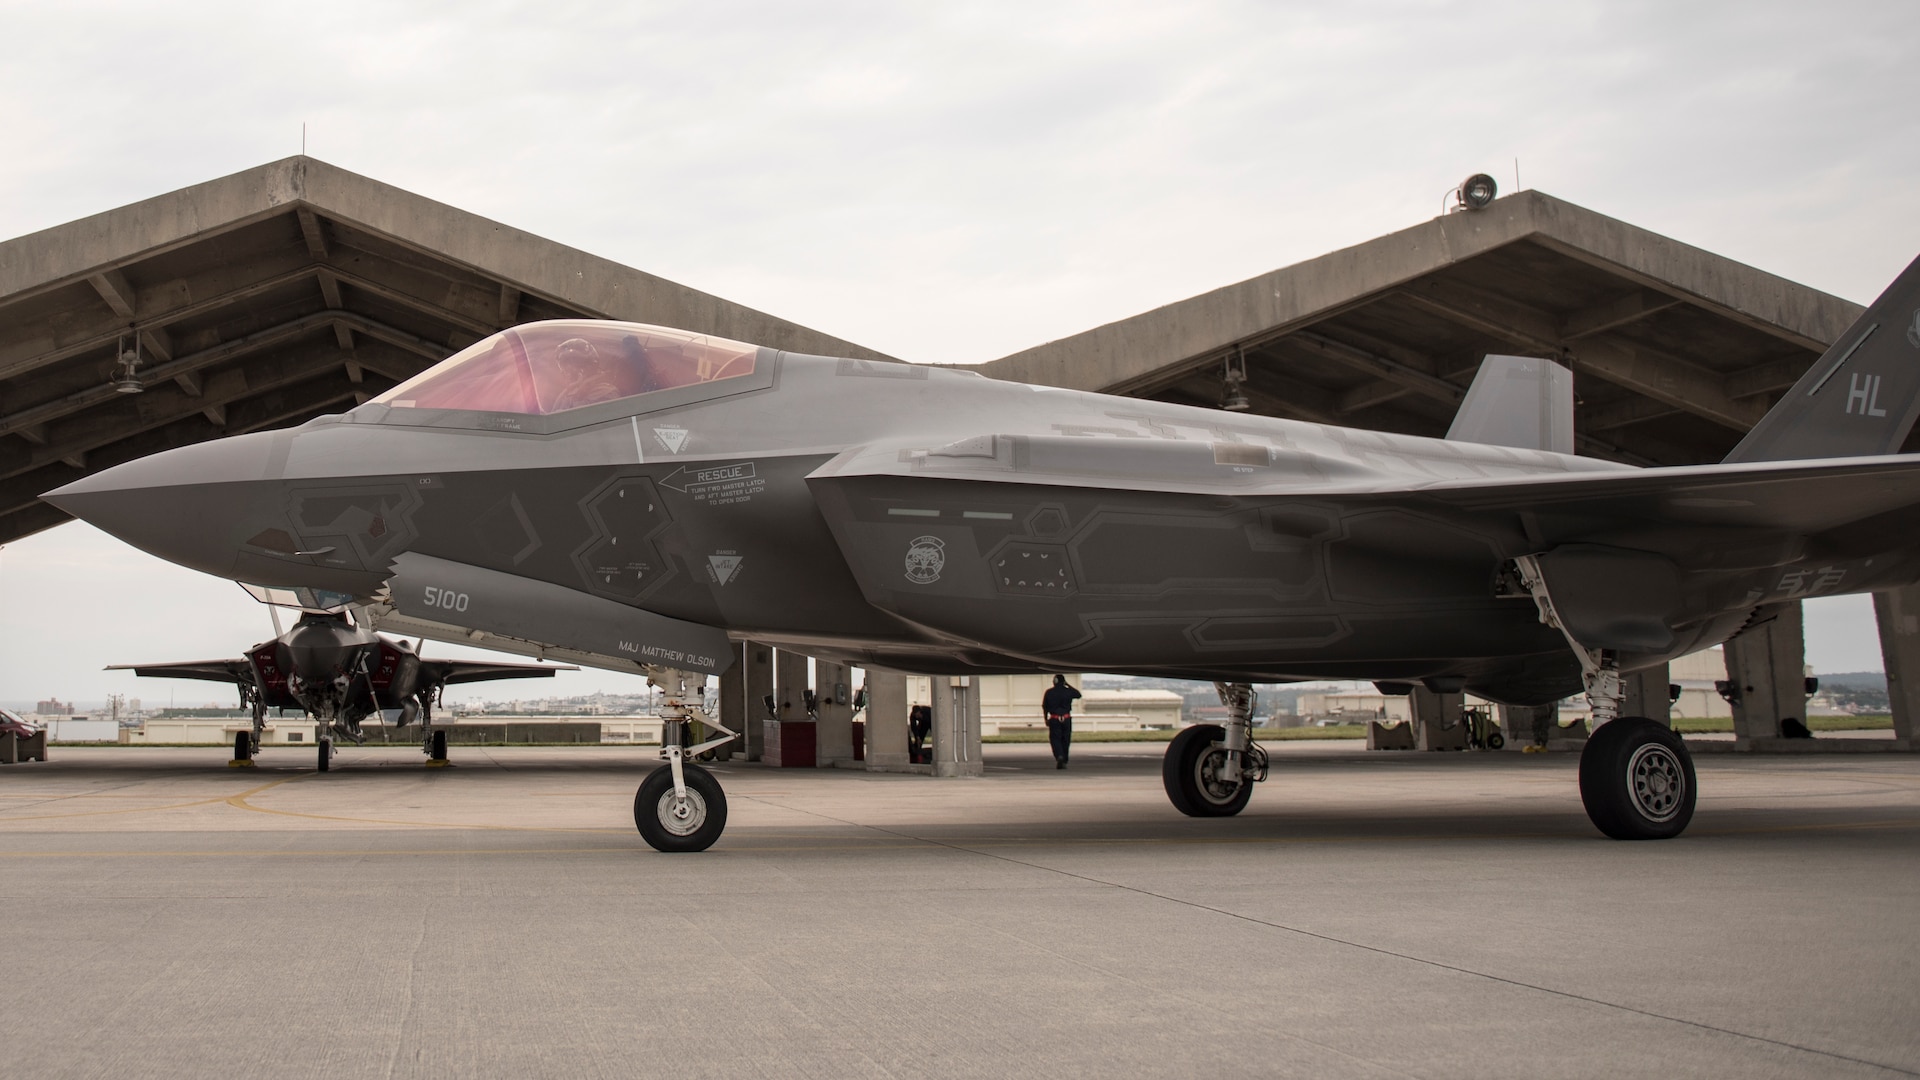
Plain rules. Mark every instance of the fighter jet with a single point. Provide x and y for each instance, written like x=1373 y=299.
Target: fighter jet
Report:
x=638 y=496
x=340 y=674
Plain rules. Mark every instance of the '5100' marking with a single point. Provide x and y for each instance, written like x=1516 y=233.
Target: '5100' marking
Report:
x=446 y=599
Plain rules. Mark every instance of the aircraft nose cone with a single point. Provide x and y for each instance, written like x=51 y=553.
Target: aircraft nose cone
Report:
x=193 y=505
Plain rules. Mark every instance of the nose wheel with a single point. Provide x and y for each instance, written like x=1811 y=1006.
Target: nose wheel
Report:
x=326 y=754
x=680 y=806
x=673 y=822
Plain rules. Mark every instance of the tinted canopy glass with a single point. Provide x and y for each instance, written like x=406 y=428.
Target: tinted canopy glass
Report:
x=550 y=367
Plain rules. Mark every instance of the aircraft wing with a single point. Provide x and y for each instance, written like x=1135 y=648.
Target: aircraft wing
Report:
x=226 y=671
x=1637 y=559
x=466 y=671
x=1579 y=497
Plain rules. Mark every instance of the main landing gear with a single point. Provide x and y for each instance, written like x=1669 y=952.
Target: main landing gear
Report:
x=1636 y=776
x=247 y=743
x=680 y=806
x=1210 y=770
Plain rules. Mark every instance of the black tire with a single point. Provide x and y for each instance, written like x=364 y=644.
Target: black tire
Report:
x=1188 y=769
x=666 y=827
x=1495 y=740
x=243 y=746
x=326 y=754
x=1637 y=780
x=437 y=750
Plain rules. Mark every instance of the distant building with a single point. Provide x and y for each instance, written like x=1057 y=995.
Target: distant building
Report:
x=52 y=707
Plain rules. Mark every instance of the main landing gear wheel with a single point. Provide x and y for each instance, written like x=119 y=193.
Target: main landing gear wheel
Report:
x=1191 y=773
x=326 y=754
x=437 y=747
x=672 y=824
x=242 y=748
x=1637 y=781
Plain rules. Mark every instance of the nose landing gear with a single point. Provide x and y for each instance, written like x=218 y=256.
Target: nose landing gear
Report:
x=680 y=806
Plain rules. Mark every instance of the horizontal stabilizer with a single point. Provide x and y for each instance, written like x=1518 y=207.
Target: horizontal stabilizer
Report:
x=227 y=671
x=1519 y=401
x=450 y=672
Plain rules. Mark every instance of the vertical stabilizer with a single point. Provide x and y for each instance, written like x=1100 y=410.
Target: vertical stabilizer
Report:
x=1860 y=397
x=1519 y=401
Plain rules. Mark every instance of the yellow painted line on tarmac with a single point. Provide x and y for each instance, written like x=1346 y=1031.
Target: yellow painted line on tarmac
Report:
x=145 y=809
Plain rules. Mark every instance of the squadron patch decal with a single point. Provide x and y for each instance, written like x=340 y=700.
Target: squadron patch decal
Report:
x=926 y=557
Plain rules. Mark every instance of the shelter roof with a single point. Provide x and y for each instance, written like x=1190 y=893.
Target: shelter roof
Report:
x=268 y=297
x=1676 y=351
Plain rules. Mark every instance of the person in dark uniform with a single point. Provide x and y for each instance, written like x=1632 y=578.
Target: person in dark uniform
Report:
x=919 y=726
x=1057 y=704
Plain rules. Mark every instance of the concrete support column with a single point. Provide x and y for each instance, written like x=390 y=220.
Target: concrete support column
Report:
x=790 y=734
x=1438 y=720
x=790 y=684
x=833 y=682
x=1646 y=694
x=756 y=685
x=886 y=719
x=1898 y=612
x=732 y=712
x=1766 y=663
x=956 y=726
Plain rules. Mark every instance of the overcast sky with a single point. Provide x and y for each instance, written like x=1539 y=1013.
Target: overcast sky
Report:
x=951 y=182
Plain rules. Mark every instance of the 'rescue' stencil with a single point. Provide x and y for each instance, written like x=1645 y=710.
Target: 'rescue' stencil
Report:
x=926 y=557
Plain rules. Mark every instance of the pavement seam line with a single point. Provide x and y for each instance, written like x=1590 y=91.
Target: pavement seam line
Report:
x=1441 y=965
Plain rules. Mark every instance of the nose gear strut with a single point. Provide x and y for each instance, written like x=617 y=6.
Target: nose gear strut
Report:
x=680 y=806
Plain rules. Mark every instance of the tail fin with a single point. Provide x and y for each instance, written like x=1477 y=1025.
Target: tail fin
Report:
x=1860 y=397
x=1518 y=401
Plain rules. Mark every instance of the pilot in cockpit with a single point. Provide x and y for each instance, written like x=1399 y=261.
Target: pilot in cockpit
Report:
x=587 y=377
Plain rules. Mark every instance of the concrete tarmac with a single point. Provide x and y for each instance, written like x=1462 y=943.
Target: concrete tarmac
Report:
x=1370 y=915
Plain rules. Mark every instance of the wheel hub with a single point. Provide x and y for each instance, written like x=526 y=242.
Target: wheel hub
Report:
x=1207 y=772
x=682 y=817
x=1657 y=782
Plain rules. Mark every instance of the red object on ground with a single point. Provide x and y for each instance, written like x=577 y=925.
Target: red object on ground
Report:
x=790 y=744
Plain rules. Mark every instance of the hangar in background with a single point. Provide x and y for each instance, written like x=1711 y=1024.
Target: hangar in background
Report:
x=295 y=289
x=272 y=296
x=1676 y=352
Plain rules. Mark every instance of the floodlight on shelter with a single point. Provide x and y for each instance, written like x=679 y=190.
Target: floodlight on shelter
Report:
x=1475 y=192
x=1233 y=395
x=126 y=378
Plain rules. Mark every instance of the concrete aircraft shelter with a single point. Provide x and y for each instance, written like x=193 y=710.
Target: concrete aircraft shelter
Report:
x=296 y=289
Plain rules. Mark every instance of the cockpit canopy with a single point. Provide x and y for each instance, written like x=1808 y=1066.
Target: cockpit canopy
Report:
x=542 y=368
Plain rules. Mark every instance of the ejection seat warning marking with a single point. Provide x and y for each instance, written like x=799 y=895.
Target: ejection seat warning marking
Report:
x=723 y=567
x=718 y=485
x=673 y=438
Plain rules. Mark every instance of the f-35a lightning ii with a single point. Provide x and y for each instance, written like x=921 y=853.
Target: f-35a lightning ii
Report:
x=638 y=496
x=339 y=673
